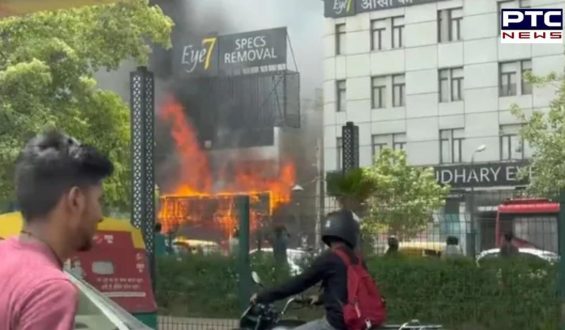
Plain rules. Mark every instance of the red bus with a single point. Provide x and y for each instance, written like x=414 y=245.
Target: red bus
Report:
x=533 y=221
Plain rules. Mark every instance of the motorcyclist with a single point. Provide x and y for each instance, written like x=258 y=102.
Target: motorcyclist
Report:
x=341 y=231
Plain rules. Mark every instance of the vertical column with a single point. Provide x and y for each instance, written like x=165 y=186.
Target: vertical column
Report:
x=350 y=147
x=243 y=260
x=561 y=248
x=142 y=141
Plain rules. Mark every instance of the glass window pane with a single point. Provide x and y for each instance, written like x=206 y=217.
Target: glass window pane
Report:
x=444 y=74
x=444 y=90
x=457 y=89
x=445 y=134
x=445 y=151
x=398 y=79
x=457 y=144
x=397 y=31
x=526 y=86
x=341 y=95
x=378 y=28
x=458 y=133
x=443 y=25
x=340 y=38
x=516 y=145
x=338 y=153
x=457 y=73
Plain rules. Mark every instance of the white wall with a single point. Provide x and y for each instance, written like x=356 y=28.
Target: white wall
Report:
x=480 y=114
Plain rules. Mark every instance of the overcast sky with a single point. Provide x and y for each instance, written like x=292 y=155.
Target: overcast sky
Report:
x=304 y=19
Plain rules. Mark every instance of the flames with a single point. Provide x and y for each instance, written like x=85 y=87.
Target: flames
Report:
x=207 y=198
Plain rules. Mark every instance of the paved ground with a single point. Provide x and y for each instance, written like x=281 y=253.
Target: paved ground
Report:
x=183 y=323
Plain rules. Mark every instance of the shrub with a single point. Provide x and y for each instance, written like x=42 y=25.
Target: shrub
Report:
x=519 y=294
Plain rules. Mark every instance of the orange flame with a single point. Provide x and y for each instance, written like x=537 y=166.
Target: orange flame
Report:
x=196 y=182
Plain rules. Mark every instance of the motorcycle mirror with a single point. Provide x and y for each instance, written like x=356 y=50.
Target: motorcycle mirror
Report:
x=255 y=277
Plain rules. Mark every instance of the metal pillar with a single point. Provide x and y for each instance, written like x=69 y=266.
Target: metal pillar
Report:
x=143 y=176
x=561 y=248
x=243 y=260
x=350 y=147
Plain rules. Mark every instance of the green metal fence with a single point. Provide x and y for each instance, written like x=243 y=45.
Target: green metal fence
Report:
x=475 y=291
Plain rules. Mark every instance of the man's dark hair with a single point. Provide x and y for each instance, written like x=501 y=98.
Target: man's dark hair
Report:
x=49 y=165
x=452 y=240
x=508 y=236
x=158 y=227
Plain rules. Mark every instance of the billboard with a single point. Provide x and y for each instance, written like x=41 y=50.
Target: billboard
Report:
x=212 y=54
x=22 y=7
x=481 y=175
x=343 y=8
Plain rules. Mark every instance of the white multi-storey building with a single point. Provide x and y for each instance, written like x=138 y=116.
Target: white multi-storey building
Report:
x=430 y=77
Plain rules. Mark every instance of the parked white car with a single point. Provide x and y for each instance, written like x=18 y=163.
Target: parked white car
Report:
x=548 y=256
x=294 y=258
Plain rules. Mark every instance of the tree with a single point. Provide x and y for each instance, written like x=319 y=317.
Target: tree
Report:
x=545 y=134
x=351 y=189
x=47 y=65
x=403 y=197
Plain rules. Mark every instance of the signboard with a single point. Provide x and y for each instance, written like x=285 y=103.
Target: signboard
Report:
x=480 y=175
x=339 y=8
x=118 y=270
x=342 y=8
x=211 y=54
x=200 y=56
x=22 y=7
x=251 y=49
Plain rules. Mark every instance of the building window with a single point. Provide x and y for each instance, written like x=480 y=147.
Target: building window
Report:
x=339 y=145
x=526 y=68
x=397 y=31
x=378 y=143
x=451 y=84
x=340 y=95
x=378 y=30
x=449 y=24
x=378 y=92
x=510 y=4
x=396 y=141
x=399 y=141
x=511 y=143
x=451 y=144
x=398 y=90
x=340 y=39
x=511 y=78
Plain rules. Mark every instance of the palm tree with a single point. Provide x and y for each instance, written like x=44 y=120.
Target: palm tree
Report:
x=351 y=189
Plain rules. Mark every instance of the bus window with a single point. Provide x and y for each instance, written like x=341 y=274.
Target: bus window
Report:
x=539 y=230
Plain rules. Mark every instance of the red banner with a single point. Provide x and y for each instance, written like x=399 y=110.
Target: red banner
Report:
x=118 y=270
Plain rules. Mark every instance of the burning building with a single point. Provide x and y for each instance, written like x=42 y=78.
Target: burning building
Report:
x=200 y=200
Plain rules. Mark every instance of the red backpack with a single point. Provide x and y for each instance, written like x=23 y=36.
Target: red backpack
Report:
x=365 y=307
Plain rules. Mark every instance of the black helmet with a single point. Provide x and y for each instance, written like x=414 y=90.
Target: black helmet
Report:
x=342 y=224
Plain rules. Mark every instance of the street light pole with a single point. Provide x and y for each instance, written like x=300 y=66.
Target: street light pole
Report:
x=473 y=245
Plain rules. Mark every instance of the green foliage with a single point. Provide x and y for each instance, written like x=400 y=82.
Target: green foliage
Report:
x=47 y=64
x=403 y=196
x=206 y=286
x=351 y=189
x=544 y=131
x=518 y=294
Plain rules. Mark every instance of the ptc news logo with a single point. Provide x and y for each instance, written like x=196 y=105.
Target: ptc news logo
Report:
x=531 y=26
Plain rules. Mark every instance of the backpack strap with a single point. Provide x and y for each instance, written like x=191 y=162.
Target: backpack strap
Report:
x=343 y=256
x=346 y=258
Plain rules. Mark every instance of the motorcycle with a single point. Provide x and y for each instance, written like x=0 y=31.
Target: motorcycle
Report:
x=268 y=317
